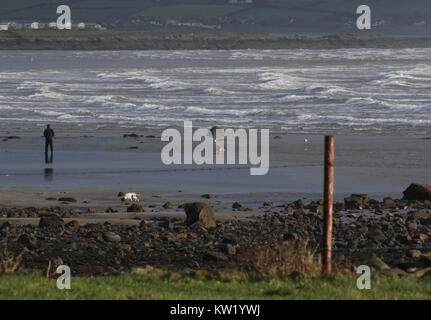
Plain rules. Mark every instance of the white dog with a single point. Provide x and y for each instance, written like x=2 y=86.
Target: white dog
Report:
x=130 y=197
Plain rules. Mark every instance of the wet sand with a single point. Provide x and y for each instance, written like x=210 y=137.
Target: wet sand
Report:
x=95 y=167
x=103 y=166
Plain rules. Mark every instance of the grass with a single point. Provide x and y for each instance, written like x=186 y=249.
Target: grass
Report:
x=158 y=284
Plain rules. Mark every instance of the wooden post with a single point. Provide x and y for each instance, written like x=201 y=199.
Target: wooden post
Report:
x=328 y=194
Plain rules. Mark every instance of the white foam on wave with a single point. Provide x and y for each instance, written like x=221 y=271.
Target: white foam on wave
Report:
x=278 y=81
x=199 y=110
x=148 y=78
x=293 y=98
x=218 y=91
x=48 y=92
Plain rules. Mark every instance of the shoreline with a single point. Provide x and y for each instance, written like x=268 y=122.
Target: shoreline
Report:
x=379 y=166
x=176 y=40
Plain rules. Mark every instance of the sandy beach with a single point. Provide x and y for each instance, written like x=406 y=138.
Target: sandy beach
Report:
x=103 y=166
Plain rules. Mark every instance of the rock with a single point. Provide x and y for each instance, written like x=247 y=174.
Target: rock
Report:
x=229 y=249
x=424 y=273
x=417 y=191
x=214 y=256
x=389 y=203
x=414 y=253
x=120 y=194
x=420 y=214
x=201 y=213
x=131 y=135
x=72 y=224
x=412 y=226
x=394 y=272
x=206 y=196
x=110 y=210
x=426 y=258
x=167 y=205
x=298 y=204
x=298 y=212
x=67 y=199
x=236 y=206
x=376 y=234
x=111 y=237
x=5 y=225
x=135 y=208
x=51 y=199
x=377 y=264
x=27 y=239
x=91 y=210
x=143 y=225
x=50 y=221
x=356 y=201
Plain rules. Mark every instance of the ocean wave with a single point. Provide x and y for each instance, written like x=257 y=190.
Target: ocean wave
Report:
x=151 y=80
x=217 y=91
x=293 y=98
x=277 y=81
x=200 y=110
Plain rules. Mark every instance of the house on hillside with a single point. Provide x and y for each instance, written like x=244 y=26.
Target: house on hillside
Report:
x=52 y=25
x=34 y=25
x=94 y=26
x=4 y=27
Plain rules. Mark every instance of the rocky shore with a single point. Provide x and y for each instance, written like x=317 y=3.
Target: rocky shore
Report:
x=175 y=40
x=393 y=235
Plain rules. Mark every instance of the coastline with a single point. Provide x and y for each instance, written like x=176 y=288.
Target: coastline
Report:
x=174 y=40
x=380 y=166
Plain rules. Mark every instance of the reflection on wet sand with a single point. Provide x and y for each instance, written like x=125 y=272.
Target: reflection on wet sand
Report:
x=48 y=174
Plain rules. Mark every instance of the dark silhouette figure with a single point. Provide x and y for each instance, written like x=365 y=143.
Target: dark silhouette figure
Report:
x=49 y=135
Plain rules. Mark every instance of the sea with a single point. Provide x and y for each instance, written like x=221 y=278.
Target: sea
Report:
x=345 y=91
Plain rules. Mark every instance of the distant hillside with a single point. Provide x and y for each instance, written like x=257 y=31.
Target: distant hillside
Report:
x=389 y=16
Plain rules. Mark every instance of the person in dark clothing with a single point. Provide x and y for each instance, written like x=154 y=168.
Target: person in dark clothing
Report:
x=49 y=135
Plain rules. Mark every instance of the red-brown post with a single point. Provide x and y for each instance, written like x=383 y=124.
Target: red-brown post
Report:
x=328 y=195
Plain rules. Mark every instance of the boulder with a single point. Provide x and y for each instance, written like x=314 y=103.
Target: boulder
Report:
x=167 y=205
x=131 y=135
x=27 y=239
x=135 y=208
x=201 y=213
x=67 y=199
x=426 y=258
x=417 y=191
x=356 y=201
x=419 y=214
x=111 y=237
x=377 y=264
x=74 y=224
x=237 y=206
x=50 y=221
